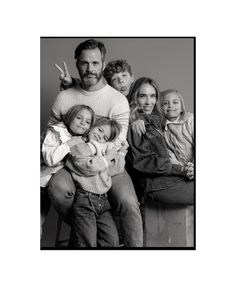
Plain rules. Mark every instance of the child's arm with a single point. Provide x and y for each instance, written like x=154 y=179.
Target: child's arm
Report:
x=117 y=164
x=150 y=156
x=53 y=150
x=86 y=159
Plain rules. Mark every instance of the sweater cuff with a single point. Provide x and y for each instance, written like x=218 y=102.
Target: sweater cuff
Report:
x=92 y=148
x=177 y=170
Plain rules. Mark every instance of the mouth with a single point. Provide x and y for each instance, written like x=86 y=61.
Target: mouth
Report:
x=148 y=107
x=96 y=137
x=90 y=75
x=123 y=88
x=80 y=127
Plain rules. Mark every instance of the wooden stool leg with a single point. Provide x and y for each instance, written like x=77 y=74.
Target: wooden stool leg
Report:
x=59 y=223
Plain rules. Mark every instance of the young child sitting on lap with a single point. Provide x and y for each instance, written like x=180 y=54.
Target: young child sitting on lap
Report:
x=91 y=220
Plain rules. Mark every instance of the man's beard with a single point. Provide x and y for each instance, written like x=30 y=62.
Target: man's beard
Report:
x=91 y=81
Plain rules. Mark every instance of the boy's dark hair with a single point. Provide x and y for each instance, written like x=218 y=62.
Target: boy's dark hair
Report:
x=116 y=67
x=115 y=126
x=90 y=45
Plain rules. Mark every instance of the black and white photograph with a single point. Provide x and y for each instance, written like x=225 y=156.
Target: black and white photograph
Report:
x=117 y=143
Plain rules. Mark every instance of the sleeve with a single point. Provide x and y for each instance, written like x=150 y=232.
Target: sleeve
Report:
x=81 y=162
x=121 y=115
x=53 y=151
x=149 y=156
x=117 y=165
x=191 y=125
x=55 y=114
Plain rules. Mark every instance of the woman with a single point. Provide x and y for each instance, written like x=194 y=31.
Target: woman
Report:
x=148 y=159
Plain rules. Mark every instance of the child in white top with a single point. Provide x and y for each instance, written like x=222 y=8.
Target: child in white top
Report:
x=61 y=137
x=179 y=130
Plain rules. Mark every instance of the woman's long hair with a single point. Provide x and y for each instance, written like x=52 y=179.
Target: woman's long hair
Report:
x=134 y=104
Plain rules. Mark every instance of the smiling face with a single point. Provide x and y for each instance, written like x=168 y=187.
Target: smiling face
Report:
x=122 y=82
x=147 y=98
x=81 y=123
x=172 y=106
x=90 y=66
x=100 y=134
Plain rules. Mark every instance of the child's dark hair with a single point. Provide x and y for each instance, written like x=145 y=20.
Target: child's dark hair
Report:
x=72 y=113
x=115 y=126
x=116 y=67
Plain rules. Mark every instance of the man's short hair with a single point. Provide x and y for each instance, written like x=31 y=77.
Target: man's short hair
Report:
x=116 y=67
x=90 y=45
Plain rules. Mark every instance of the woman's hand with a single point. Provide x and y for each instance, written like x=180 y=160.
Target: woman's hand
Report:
x=138 y=127
x=64 y=77
x=189 y=169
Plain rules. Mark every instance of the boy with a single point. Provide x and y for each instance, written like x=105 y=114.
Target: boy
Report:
x=117 y=73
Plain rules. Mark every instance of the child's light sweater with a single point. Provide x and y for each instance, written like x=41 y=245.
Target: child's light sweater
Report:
x=179 y=136
x=92 y=173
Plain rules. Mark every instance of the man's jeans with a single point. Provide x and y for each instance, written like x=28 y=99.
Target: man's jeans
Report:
x=92 y=223
x=122 y=197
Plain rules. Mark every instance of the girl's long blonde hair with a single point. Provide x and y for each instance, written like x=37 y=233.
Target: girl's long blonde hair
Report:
x=174 y=91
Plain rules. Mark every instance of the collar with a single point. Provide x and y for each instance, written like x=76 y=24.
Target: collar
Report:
x=176 y=121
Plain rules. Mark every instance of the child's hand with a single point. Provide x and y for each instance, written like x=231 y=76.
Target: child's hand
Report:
x=138 y=127
x=74 y=141
x=65 y=77
x=110 y=155
x=189 y=169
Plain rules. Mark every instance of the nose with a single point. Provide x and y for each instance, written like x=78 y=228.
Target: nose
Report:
x=147 y=100
x=121 y=80
x=89 y=67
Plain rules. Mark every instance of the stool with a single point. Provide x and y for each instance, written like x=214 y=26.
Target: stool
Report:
x=168 y=225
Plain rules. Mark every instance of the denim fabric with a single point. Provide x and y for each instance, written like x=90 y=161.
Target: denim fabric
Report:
x=181 y=193
x=125 y=205
x=92 y=224
x=122 y=196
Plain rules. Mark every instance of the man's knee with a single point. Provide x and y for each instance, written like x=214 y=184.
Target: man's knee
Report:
x=61 y=185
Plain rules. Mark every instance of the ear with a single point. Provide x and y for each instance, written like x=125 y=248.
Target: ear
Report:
x=132 y=79
x=77 y=64
x=104 y=65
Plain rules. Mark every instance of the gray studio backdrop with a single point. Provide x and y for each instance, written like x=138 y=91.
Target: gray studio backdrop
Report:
x=170 y=61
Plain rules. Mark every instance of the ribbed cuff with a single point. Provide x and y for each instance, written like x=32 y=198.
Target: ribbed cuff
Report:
x=177 y=170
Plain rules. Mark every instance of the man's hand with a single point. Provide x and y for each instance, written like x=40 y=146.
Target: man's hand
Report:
x=138 y=127
x=64 y=77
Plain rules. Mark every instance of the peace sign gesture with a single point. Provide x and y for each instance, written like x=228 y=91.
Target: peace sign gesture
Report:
x=65 y=77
